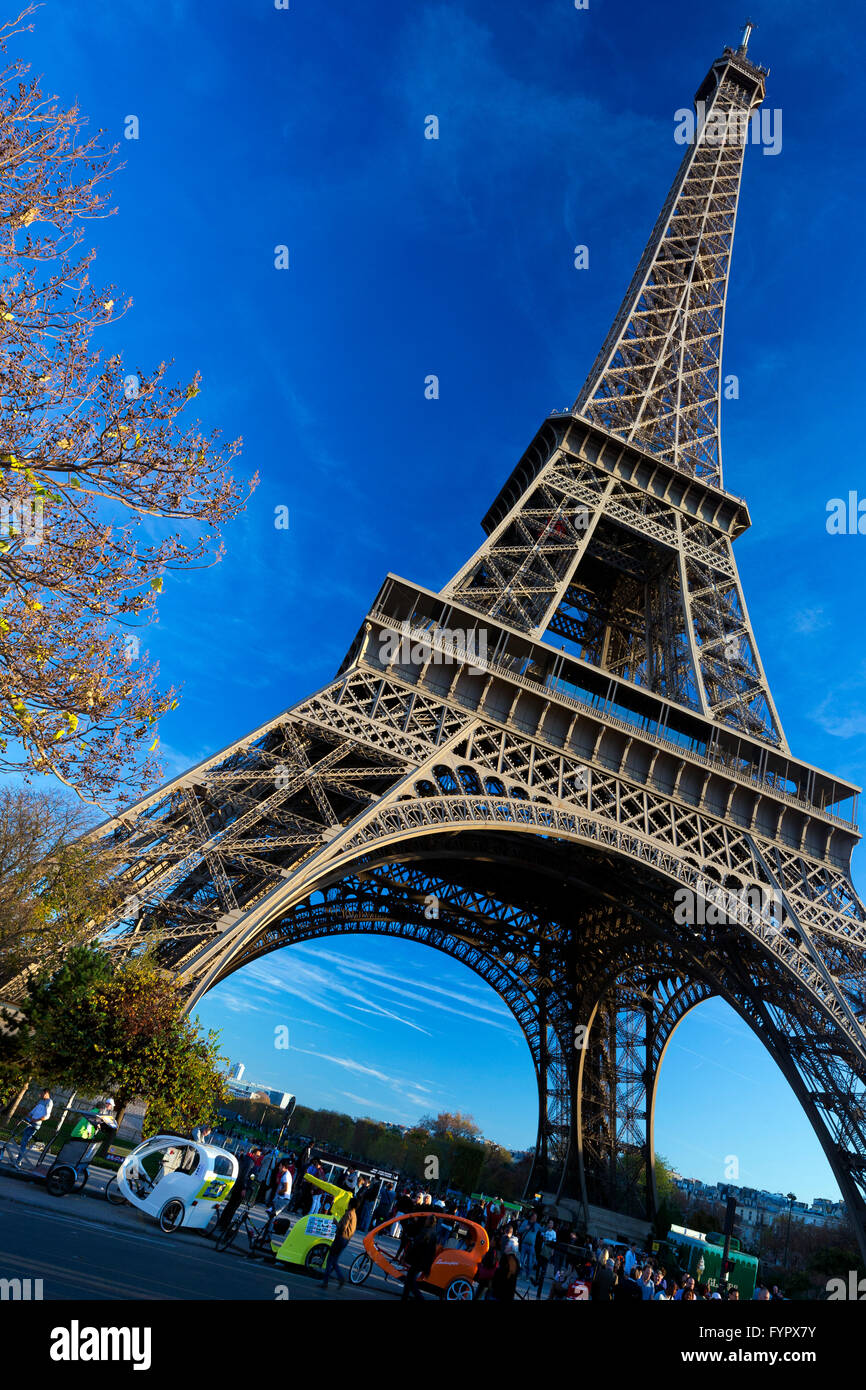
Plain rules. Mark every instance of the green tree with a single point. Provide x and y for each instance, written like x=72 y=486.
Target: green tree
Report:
x=668 y=1206
x=98 y=1026
x=448 y=1125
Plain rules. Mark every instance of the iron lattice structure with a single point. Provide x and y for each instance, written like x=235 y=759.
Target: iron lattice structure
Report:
x=604 y=738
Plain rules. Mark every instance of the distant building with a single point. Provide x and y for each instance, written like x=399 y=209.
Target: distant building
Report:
x=249 y=1090
x=760 y=1210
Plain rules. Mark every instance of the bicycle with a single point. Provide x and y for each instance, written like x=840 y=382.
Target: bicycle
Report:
x=258 y=1237
x=14 y=1141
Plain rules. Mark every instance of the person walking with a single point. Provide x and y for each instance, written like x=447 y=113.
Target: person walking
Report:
x=245 y=1168
x=283 y=1191
x=269 y=1176
x=386 y=1204
x=40 y=1112
x=420 y=1258
x=528 y=1235
x=371 y=1195
x=346 y=1228
x=544 y=1249
x=604 y=1280
x=503 y=1285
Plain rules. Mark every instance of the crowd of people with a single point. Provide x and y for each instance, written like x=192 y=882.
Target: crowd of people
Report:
x=594 y=1273
x=523 y=1246
x=527 y=1254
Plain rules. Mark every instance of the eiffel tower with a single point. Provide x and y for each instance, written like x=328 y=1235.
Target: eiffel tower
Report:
x=530 y=769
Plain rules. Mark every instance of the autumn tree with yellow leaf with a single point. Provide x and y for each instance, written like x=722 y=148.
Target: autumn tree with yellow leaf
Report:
x=88 y=450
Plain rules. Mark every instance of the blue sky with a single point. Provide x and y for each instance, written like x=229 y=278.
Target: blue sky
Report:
x=261 y=127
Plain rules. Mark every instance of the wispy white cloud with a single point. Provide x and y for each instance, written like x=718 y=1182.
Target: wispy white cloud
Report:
x=809 y=620
x=484 y=1007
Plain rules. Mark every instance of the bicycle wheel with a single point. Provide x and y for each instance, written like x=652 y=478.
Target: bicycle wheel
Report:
x=260 y=1240
x=60 y=1181
x=317 y=1257
x=226 y=1236
x=113 y=1194
x=360 y=1268
x=171 y=1216
x=458 y=1289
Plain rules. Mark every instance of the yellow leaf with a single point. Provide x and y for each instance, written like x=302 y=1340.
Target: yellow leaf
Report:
x=153 y=745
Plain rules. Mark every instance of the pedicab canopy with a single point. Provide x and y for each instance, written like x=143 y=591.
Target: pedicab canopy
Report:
x=341 y=1196
x=184 y=1175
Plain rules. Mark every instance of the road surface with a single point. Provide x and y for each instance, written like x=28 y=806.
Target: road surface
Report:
x=77 y=1259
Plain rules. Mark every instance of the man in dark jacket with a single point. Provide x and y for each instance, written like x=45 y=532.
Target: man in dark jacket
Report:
x=422 y=1253
x=246 y=1166
x=369 y=1198
x=604 y=1281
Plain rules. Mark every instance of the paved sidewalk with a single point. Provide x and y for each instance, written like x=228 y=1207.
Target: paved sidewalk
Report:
x=89 y=1205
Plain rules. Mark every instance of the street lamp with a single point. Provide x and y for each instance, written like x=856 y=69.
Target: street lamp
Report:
x=791 y=1200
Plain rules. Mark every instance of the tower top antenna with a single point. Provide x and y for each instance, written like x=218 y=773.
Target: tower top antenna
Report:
x=747 y=34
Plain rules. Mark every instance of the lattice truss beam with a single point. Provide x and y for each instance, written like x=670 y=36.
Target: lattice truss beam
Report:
x=637 y=585
x=645 y=984
x=226 y=852
x=391 y=764
x=657 y=377
x=510 y=947
x=550 y=975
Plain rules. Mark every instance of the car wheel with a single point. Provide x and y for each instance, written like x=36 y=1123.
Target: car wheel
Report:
x=317 y=1257
x=459 y=1288
x=60 y=1182
x=171 y=1215
x=114 y=1195
x=361 y=1267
